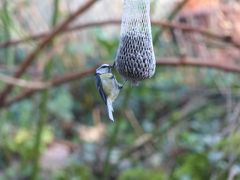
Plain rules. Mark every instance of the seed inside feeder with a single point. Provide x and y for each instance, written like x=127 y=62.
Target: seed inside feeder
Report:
x=135 y=58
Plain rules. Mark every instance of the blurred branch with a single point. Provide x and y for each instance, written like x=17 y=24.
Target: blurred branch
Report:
x=6 y=20
x=24 y=83
x=107 y=167
x=192 y=62
x=43 y=106
x=33 y=55
x=191 y=107
x=166 y=24
x=233 y=122
x=170 y=17
x=134 y=122
x=142 y=135
x=112 y=141
x=54 y=82
x=196 y=62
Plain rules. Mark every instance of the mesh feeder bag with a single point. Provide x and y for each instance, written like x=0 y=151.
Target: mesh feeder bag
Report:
x=135 y=58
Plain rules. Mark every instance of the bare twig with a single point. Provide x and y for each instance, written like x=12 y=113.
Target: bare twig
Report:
x=134 y=122
x=195 y=62
x=149 y=148
x=177 y=9
x=232 y=121
x=166 y=24
x=32 y=56
x=54 y=82
x=170 y=17
x=161 y=62
x=24 y=83
x=192 y=106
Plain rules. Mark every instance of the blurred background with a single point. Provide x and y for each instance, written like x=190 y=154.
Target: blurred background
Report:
x=181 y=124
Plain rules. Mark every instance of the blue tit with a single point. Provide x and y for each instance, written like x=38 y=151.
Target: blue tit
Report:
x=107 y=86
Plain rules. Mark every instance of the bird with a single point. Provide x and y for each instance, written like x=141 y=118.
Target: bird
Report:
x=107 y=86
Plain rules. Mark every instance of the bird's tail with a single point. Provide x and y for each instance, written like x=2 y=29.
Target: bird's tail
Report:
x=110 y=109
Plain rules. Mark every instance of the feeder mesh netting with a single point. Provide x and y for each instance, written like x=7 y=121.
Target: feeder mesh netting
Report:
x=135 y=58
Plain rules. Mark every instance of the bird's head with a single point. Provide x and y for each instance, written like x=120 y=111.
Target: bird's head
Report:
x=104 y=68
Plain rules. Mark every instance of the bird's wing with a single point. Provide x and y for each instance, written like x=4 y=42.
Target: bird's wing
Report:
x=100 y=89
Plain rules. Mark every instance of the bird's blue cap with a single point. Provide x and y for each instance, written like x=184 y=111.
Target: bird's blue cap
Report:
x=104 y=68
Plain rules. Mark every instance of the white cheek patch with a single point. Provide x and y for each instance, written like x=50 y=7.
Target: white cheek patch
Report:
x=102 y=71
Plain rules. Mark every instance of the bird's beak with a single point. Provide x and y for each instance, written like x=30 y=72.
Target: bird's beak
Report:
x=110 y=69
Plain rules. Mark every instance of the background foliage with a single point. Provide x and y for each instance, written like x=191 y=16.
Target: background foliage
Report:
x=181 y=124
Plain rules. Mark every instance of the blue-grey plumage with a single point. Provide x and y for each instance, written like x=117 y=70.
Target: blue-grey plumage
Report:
x=107 y=86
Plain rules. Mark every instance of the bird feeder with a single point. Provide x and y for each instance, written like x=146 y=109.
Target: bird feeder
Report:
x=135 y=58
